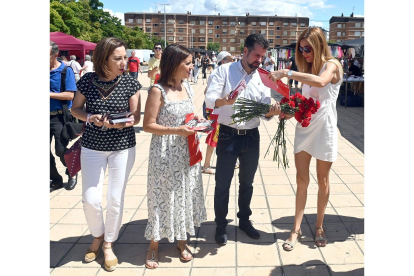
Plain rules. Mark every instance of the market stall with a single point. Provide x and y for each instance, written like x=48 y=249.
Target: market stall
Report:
x=69 y=45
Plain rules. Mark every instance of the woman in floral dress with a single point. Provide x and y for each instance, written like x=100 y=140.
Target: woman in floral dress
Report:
x=175 y=190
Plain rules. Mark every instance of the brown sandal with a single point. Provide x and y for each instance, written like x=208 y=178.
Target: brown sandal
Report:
x=319 y=240
x=92 y=255
x=186 y=248
x=153 y=259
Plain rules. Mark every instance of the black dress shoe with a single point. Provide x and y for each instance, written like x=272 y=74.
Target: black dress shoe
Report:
x=72 y=182
x=56 y=185
x=247 y=227
x=221 y=235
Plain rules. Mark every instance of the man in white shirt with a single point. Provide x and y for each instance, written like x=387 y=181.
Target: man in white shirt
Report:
x=214 y=61
x=238 y=141
x=76 y=67
x=270 y=62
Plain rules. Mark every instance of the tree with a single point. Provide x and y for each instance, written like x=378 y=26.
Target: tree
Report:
x=214 y=46
x=241 y=47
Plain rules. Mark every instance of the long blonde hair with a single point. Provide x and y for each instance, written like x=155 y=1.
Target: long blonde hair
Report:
x=321 y=53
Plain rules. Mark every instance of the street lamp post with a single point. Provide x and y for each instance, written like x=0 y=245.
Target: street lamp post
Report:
x=165 y=26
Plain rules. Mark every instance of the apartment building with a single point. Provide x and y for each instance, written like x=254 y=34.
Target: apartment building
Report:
x=346 y=28
x=195 y=31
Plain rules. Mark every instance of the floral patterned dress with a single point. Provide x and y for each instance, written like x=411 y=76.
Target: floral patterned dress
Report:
x=175 y=190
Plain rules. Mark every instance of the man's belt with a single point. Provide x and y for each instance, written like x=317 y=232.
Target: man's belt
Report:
x=56 y=112
x=235 y=131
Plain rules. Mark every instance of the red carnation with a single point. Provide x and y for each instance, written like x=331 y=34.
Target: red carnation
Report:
x=298 y=116
x=307 y=113
x=298 y=95
x=313 y=109
x=292 y=104
x=302 y=107
x=311 y=102
x=306 y=122
x=284 y=100
x=292 y=98
x=318 y=104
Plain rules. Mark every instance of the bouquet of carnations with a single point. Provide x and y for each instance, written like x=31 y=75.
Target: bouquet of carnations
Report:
x=297 y=105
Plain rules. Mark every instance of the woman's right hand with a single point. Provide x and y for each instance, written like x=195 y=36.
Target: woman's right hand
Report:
x=96 y=119
x=184 y=131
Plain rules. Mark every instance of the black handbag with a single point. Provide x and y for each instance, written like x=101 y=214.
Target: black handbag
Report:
x=72 y=127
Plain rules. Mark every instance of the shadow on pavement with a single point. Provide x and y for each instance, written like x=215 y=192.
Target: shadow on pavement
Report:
x=315 y=267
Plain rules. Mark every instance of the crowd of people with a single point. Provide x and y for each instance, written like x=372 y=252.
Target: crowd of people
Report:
x=174 y=188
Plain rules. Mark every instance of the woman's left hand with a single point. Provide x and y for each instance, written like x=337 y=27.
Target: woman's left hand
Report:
x=107 y=124
x=199 y=118
x=276 y=75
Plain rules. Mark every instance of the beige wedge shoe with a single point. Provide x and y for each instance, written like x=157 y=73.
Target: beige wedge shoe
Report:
x=110 y=265
x=92 y=255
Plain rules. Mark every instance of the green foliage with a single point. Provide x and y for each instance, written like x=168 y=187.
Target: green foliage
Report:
x=214 y=46
x=241 y=47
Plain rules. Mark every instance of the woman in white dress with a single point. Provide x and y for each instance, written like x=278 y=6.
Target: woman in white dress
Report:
x=321 y=76
x=175 y=190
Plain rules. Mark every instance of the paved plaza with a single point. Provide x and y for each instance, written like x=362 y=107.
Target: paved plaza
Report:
x=272 y=204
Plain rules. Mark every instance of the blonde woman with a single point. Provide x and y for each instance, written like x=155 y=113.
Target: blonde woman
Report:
x=321 y=75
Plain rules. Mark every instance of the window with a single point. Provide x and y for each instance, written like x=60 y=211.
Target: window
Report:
x=263 y=32
x=285 y=24
x=233 y=23
x=284 y=32
x=232 y=49
x=293 y=33
x=262 y=23
x=302 y=24
x=148 y=20
x=217 y=27
x=224 y=40
x=155 y=25
x=162 y=21
x=232 y=40
x=253 y=23
x=193 y=22
x=358 y=33
x=284 y=41
x=338 y=33
x=293 y=41
x=138 y=20
x=162 y=29
x=357 y=25
x=253 y=31
x=130 y=20
x=140 y=28
x=148 y=30
x=170 y=30
x=210 y=39
x=293 y=24
x=210 y=31
x=155 y=33
x=224 y=23
x=180 y=30
x=271 y=41
x=339 y=25
x=224 y=31
x=241 y=40
x=271 y=23
x=217 y=35
x=233 y=31
x=193 y=31
x=202 y=31
x=278 y=36
x=242 y=32
x=193 y=39
x=343 y=34
x=201 y=47
x=210 y=22
x=363 y=33
x=170 y=38
x=271 y=32
x=171 y=21
x=277 y=28
x=180 y=38
x=277 y=45
x=180 y=21
x=242 y=23
x=224 y=48
x=201 y=39
x=202 y=22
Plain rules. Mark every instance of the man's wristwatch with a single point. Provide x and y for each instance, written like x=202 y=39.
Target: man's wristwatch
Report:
x=289 y=73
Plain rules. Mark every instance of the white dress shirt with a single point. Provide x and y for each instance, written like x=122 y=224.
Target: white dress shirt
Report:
x=75 y=66
x=270 y=67
x=224 y=80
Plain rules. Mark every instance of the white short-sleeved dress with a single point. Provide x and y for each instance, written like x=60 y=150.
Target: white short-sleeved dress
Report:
x=320 y=138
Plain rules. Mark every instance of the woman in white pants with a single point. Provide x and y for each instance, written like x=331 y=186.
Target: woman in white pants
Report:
x=105 y=144
x=197 y=66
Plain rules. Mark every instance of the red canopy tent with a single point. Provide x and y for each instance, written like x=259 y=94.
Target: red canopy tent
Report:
x=72 y=44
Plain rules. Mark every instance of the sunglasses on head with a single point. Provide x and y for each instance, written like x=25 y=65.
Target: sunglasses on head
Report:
x=158 y=48
x=307 y=49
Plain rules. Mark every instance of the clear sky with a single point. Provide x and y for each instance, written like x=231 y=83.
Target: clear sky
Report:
x=318 y=11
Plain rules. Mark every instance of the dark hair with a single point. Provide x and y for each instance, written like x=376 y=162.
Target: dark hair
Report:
x=55 y=48
x=256 y=38
x=103 y=50
x=157 y=43
x=171 y=58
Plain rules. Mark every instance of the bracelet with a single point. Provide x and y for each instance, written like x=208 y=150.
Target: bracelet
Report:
x=104 y=128
x=87 y=119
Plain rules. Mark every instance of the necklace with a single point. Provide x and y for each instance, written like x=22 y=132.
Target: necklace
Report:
x=106 y=89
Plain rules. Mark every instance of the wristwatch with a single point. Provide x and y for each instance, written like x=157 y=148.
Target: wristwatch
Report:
x=289 y=73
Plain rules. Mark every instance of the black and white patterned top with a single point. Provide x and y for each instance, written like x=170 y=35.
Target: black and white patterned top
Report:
x=112 y=139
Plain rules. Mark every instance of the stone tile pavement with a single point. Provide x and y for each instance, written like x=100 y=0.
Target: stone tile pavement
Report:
x=273 y=212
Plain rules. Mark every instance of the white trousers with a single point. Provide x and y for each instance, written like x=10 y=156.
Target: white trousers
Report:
x=94 y=165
